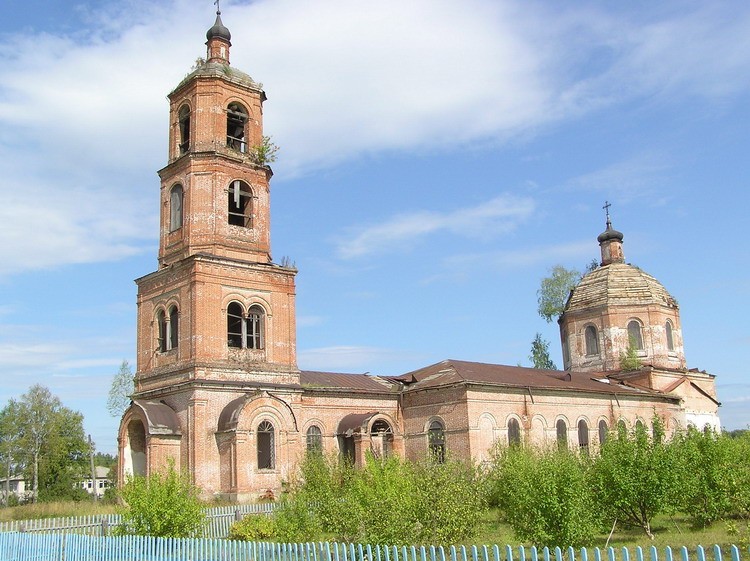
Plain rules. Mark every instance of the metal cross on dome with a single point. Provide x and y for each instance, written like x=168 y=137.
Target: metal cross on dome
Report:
x=218 y=7
x=606 y=206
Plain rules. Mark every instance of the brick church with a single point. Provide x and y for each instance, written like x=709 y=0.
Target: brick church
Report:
x=218 y=389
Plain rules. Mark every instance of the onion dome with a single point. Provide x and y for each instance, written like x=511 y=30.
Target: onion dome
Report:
x=218 y=31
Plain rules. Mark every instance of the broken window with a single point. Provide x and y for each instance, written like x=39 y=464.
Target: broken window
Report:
x=234 y=325
x=562 y=434
x=161 y=319
x=240 y=197
x=635 y=337
x=514 y=432
x=592 y=341
x=381 y=438
x=583 y=436
x=173 y=325
x=184 y=123
x=245 y=331
x=168 y=325
x=236 y=122
x=266 y=459
x=436 y=440
x=603 y=430
x=254 y=328
x=670 y=336
x=175 y=208
x=314 y=439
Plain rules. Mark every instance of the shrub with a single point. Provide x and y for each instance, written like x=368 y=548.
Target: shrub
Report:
x=165 y=504
x=637 y=477
x=254 y=527
x=450 y=501
x=388 y=500
x=545 y=496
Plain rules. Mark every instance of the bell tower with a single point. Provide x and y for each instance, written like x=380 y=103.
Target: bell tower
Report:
x=215 y=188
x=216 y=320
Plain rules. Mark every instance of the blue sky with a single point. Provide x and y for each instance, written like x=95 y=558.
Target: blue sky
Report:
x=437 y=158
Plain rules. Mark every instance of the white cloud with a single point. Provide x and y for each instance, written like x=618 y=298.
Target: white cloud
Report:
x=346 y=358
x=83 y=117
x=518 y=258
x=499 y=215
x=640 y=177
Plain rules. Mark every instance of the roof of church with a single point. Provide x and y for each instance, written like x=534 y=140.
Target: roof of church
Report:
x=218 y=70
x=450 y=372
x=311 y=379
x=618 y=284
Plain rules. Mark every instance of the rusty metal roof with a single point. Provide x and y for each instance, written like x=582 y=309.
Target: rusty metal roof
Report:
x=310 y=379
x=355 y=422
x=450 y=372
x=161 y=418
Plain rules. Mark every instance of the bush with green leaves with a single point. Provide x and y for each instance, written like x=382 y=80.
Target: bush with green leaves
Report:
x=165 y=504
x=253 y=528
x=451 y=500
x=388 y=500
x=715 y=475
x=545 y=496
x=636 y=477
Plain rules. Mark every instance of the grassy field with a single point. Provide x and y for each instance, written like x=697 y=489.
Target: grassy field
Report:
x=54 y=510
x=674 y=531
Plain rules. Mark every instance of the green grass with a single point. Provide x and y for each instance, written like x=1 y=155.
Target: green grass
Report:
x=54 y=510
x=668 y=531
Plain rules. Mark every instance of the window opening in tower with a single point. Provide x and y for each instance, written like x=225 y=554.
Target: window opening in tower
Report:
x=236 y=121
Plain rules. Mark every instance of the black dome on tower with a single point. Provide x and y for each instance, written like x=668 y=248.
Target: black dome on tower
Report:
x=218 y=30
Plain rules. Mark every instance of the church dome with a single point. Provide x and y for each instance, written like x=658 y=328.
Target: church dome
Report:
x=618 y=284
x=218 y=30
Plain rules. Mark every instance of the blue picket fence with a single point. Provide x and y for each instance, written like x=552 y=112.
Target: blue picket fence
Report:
x=77 y=547
x=218 y=521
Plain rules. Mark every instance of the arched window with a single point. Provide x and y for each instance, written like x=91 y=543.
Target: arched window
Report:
x=565 y=349
x=184 y=123
x=436 y=441
x=234 y=325
x=266 y=452
x=245 y=331
x=168 y=329
x=640 y=427
x=174 y=320
x=175 y=208
x=562 y=434
x=592 y=341
x=635 y=337
x=583 y=436
x=236 y=122
x=381 y=438
x=670 y=336
x=240 y=204
x=161 y=320
x=314 y=439
x=514 y=432
x=254 y=328
x=603 y=430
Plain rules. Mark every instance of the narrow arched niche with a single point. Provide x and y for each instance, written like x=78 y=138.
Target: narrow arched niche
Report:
x=135 y=449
